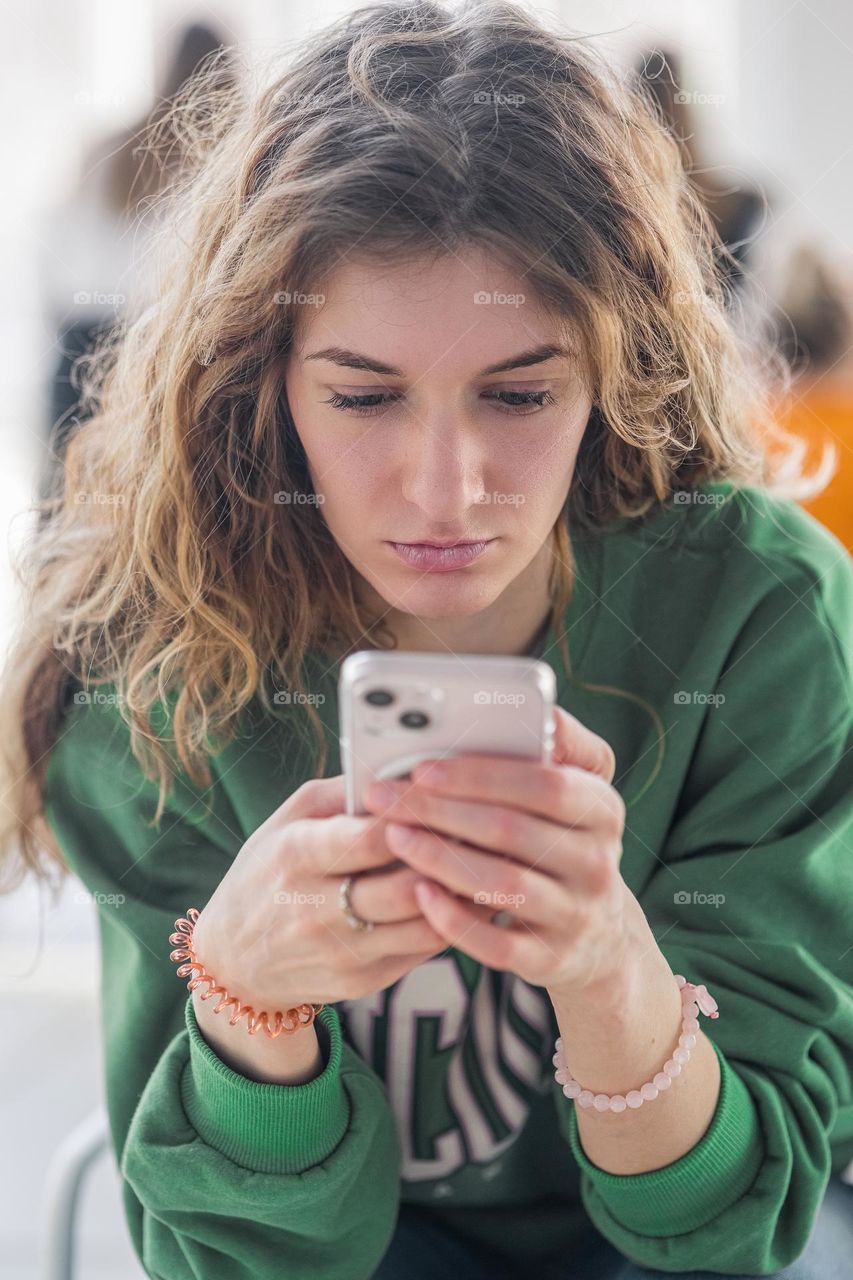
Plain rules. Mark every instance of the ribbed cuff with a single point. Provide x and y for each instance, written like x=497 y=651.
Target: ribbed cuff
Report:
x=268 y=1128
x=701 y=1184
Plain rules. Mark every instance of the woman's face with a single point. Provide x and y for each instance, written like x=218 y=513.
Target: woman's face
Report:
x=446 y=448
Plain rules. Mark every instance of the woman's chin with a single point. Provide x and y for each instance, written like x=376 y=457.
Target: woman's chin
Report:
x=448 y=598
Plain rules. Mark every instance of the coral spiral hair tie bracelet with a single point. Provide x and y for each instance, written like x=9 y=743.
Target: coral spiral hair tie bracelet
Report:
x=300 y=1016
x=693 y=998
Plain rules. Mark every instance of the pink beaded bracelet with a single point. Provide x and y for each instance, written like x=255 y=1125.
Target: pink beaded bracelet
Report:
x=693 y=998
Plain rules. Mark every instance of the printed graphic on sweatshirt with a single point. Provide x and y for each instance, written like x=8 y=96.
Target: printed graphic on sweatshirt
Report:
x=463 y=1051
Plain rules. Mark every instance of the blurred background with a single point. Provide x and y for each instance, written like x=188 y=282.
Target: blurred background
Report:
x=758 y=93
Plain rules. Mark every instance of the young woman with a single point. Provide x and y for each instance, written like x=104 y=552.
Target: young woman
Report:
x=446 y=281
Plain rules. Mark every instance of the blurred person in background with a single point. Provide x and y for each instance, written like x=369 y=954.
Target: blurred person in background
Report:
x=737 y=208
x=94 y=264
x=809 y=296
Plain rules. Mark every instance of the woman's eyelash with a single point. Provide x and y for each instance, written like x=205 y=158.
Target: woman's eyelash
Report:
x=374 y=403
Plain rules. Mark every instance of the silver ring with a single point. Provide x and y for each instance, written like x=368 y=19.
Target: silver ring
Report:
x=353 y=920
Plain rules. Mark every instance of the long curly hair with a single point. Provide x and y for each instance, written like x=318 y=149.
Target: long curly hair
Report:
x=165 y=567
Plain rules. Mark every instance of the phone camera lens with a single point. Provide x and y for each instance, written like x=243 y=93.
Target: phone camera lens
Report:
x=379 y=697
x=414 y=719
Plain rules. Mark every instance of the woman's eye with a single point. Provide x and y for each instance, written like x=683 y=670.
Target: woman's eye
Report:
x=514 y=401
x=363 y=405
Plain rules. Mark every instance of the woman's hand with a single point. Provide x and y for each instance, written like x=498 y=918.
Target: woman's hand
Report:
x=273 y=932
x=542 y=842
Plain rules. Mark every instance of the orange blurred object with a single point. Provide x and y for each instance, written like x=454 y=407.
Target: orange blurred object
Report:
x=820 y=409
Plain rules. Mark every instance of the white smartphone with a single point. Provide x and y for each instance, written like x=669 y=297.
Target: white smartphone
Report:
x=396 y=709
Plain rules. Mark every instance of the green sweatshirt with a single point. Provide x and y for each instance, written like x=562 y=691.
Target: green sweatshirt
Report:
x=729 y=616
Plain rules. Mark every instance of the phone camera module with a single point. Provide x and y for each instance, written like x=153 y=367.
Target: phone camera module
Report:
x=379 y=697
x=414 y=719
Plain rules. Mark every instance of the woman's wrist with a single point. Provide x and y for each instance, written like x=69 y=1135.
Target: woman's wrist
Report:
x=625 y=1031
x=277 y=1056
x=288 y=1059
x=244 y=987
x=619 y=1036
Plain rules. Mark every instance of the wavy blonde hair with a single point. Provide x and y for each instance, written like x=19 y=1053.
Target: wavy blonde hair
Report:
x=402 y=129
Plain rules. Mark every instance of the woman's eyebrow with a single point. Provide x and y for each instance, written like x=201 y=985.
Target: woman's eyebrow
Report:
x=355 y=360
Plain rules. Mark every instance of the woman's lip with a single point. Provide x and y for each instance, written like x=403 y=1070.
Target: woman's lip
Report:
x=442 y=546
x=431 y=558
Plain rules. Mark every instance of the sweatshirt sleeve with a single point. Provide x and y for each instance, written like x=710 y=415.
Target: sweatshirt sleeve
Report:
x=223 y=1177
x=751 y=896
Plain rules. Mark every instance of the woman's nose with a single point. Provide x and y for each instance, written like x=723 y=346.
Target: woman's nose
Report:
x=443 y=471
